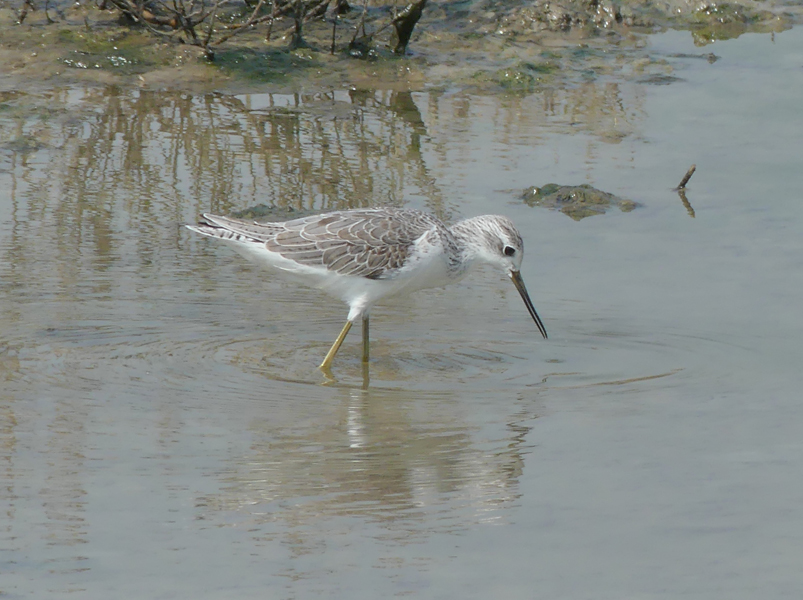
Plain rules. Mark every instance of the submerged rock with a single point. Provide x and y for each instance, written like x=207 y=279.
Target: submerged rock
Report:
x=576 y=201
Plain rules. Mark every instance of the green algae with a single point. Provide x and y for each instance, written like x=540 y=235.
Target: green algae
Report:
x=575 y=201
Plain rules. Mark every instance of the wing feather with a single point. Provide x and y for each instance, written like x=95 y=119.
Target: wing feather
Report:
x=256 y=231
x=366 y=243
x=372 y=243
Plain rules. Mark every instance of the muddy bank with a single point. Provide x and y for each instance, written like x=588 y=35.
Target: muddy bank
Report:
x=516 y=46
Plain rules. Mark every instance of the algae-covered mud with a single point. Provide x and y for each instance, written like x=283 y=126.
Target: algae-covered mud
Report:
x=515 y=46
x=575 y=201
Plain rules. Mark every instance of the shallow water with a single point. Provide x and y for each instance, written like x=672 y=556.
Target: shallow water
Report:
x=165 y=432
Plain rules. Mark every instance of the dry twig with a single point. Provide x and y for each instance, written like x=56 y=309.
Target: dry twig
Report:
x=686 y=177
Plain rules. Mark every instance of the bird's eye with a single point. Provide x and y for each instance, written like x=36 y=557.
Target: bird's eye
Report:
x=509 y=251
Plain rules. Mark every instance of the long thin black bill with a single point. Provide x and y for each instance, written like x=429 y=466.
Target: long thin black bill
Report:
x=515 y=277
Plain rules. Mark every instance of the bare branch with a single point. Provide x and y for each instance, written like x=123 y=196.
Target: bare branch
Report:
x=210 y=30
x=686 y=177
x=253 y=20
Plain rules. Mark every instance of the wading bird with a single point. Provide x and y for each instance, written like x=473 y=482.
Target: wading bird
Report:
x=364 y=255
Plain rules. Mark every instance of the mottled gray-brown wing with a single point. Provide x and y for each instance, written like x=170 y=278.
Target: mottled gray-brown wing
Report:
x=260 y=232
x=372 y=243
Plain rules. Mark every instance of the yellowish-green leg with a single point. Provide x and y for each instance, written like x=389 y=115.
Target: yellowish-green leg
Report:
x=326 y=365
x=365 y=339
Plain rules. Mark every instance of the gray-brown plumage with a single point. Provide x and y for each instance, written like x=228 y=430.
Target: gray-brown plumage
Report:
x=363 y=243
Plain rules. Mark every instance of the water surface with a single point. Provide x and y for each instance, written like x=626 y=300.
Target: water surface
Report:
x=165 y=432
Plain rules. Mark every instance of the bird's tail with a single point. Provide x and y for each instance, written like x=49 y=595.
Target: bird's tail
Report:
x=233 y=230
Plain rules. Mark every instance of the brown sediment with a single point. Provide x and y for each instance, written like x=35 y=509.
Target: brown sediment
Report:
x=507 y=45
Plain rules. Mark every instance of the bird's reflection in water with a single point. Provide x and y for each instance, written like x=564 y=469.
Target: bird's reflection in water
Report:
x=404 y=461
